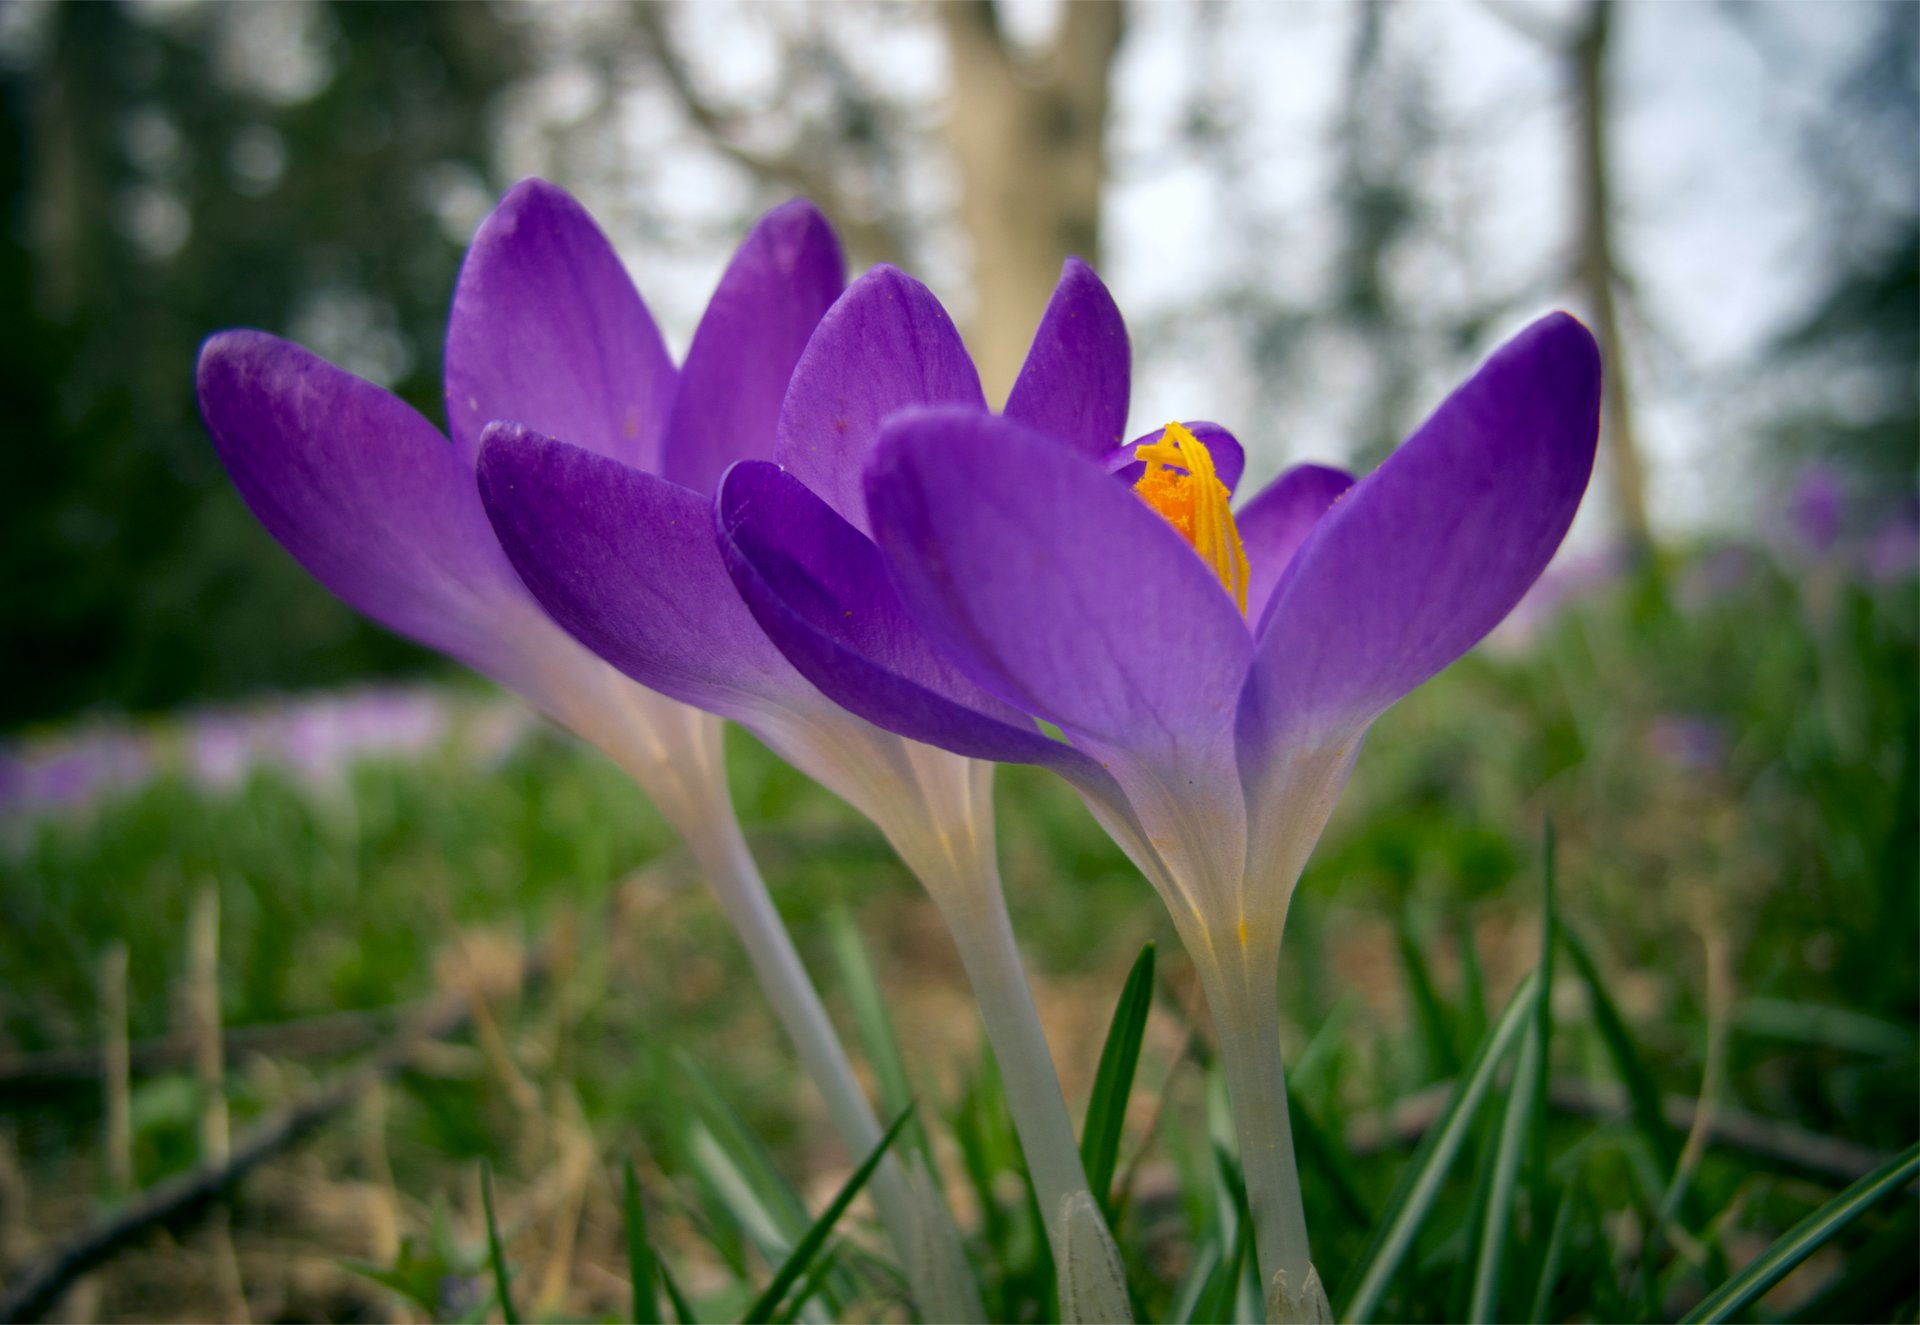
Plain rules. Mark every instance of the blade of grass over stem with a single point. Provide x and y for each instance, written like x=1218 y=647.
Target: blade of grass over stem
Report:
x=1113 y=1080
x=640 y=1260
x=862 y=985
x=1215 y=1304
x=495 y=1255
x=1419 y=1185
x=1807 y=1237
x=815 y=1237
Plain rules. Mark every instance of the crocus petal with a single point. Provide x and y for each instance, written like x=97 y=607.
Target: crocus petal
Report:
x=785 y=276
x=1053 y=586
x=365 y=493
x=819 y=588
x=1277 y=521
x=625 y=561
x=1427 y=554
x=886 y=345
x=1074 y=383
x=548 y=331
x=1228 y=459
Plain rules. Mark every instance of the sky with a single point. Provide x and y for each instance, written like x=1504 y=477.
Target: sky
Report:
x=1719 y=226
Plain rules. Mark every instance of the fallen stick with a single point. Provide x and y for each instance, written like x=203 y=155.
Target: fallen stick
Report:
x=1406 y=1121
x=320 y=1036
x=185 y=1195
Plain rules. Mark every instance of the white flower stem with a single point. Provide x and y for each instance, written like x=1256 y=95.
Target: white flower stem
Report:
x=975 y=910
x=944 y=1292
x=1246 y=1012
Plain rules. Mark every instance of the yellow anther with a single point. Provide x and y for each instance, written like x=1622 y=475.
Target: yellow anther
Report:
x=1180 y=483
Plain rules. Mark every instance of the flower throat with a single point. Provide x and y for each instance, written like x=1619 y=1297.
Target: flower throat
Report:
x=1180 y=483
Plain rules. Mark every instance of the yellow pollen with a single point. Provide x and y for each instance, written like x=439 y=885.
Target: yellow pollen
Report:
x=1180 y=483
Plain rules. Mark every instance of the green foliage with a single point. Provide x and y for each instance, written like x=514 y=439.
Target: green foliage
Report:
x=1794 y=838
x=1113 y=1080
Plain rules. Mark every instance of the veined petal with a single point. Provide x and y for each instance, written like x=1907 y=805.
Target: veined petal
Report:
x=548 y=331
x=785 y=276
x=363 y=491
x=886 y=345
x=1055 y=587
x=1426 y=554
x=819 y=589
x=625 y=561
x=1277 y=521
x=1075 y=381
x=1228 y=459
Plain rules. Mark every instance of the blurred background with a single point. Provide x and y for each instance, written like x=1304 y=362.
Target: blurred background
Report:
x=1316 y=217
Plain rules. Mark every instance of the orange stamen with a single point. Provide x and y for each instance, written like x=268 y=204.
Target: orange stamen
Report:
x=1180 y=483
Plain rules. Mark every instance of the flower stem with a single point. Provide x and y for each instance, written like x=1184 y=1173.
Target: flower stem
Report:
x=1247 y=1015
x=975 y=910
x=919 y=1227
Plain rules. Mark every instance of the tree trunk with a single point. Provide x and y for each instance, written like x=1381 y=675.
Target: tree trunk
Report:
x=1030 y=136
x=1599 y=273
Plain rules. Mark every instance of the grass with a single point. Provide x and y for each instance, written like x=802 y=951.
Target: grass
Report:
x=1734 y=768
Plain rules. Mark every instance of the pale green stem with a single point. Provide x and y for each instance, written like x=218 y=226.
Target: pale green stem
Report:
x=944 y=1292
x=1247 y=1015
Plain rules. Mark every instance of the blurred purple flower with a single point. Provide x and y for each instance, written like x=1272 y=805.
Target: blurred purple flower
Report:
x=1892 y=553
x=1816 y=508
x=70 y=773
x=1717 y=575
x=1689 y=742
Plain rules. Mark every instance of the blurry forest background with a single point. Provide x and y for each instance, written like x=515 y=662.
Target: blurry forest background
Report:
x=1314 y=217
x=227 y=800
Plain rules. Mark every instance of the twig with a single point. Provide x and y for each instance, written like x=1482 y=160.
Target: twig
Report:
x=183 y=1196
x=1406 y=1121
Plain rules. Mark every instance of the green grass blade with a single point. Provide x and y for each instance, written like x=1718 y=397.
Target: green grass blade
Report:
x=815 y=1237
x=1216 y=1303
x=870 y=1019
x=495 y=1255
x=1484 y=1304
x=1326 y=1155
x=1807 y=1237
x=1550 y=1259
x=1442 y=1057
x=1420 y=1182
x=682 y=1309
x=1641 y=1088
x=1543 y=1018
x=815 y=1280
x=1113 y=1081
x=640 y=1259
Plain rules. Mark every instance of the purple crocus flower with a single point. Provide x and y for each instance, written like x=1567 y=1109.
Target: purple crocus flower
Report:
x=1212 y=704
x=628 y=562
x=384 y=510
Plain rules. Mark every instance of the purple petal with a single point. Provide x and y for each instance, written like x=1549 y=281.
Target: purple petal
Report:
x=785 y=276
x=1427 y=554
x=819 y=589
x=548 y=331
x=365 y=493
x=1074 y=383
x=1054 y=587
x=886 y=345
x=1277 y=521
x=625 y=561
x=1228 y=459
